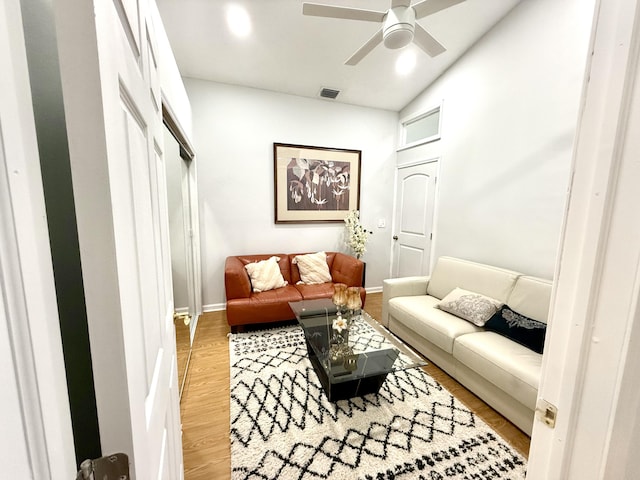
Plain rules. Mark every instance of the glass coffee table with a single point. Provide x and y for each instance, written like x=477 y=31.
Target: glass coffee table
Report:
x=350 y=364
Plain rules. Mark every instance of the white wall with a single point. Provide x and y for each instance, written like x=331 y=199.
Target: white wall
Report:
x=234 y=131
x=510 y=109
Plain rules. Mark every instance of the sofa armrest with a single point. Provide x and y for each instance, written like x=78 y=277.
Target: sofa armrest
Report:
x=236 y=279
x=401 y=287
x=347 y=269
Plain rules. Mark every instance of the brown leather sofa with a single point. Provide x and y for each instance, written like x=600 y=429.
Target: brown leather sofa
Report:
x=247 y=307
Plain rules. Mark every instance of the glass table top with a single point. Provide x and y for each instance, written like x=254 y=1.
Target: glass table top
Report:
x=366 y=349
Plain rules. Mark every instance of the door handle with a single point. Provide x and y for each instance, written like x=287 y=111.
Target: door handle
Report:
x=395 y=237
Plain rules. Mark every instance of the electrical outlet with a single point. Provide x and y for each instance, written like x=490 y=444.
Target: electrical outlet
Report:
x=382 y=223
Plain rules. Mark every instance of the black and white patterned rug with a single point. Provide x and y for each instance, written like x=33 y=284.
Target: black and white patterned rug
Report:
x=283 y=427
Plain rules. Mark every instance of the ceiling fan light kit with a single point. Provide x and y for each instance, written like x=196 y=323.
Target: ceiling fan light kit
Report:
x=238 y=20
x=399 y=26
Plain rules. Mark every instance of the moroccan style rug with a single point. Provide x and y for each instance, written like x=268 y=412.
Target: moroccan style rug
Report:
x=283 y=427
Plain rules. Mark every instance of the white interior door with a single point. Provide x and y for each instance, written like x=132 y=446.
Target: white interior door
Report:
x=413 y=222
x=113 y=108
x=36 y=439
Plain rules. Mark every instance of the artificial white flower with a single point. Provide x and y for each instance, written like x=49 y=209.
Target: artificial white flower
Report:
x=339 y=324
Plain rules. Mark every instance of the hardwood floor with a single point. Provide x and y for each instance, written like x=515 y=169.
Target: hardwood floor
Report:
x=205 y=400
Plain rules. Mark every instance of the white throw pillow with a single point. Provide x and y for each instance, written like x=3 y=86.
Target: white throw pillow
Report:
x=265 y=275
x=313 y=268
x=470 y=306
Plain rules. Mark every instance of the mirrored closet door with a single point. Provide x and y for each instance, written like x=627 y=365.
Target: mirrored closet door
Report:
x=182 y=208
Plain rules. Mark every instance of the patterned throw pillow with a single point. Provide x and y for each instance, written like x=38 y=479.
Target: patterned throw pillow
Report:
x=469 y=306
x=523 y=330
x=265 y=275
x=313 y=268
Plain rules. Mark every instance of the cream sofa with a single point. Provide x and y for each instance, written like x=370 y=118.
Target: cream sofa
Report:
x=505 y=374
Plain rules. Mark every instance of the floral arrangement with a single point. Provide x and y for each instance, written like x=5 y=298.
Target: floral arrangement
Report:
x=357 y=236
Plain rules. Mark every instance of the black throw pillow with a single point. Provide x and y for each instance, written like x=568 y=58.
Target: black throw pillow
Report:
x=521 y=329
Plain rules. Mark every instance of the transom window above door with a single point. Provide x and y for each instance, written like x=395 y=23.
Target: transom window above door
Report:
x=421 y=128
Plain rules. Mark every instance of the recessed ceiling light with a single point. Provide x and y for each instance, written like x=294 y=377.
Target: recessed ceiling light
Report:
x=406 y=62
x=238 y=20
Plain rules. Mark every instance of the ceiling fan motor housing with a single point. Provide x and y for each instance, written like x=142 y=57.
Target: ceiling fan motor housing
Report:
x=398 y=28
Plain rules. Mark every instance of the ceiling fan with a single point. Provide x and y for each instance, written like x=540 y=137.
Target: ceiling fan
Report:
x=399 y=27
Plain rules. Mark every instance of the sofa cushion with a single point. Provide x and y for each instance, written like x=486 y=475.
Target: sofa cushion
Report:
x=450 y=273
x=320 y=290
x=270 y=306
x=347 y=269
x=419 y=313
x=519 y=328
x=313 y=268
x=531 y=297
x=508 y=365
x=265 y=275
x=469 y=306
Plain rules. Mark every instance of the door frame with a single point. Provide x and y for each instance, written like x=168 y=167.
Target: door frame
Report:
x=589 y=369
x=436 y=159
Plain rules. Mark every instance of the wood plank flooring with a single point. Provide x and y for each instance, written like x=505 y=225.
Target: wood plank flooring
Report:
x=205 y=400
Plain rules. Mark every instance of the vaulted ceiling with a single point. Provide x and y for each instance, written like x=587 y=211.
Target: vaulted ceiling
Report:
x=289 y=52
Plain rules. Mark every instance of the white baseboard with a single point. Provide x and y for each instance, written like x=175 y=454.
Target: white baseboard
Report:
x=374 y=290
x=214 y=307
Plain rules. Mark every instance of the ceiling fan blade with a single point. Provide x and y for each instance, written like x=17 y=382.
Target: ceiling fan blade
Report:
x=429 y=7
x=317 y=10
x=372 y=43
x=400 y=3
x=426 y=42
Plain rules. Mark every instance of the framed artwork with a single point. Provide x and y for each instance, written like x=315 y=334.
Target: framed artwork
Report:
x=315 y=184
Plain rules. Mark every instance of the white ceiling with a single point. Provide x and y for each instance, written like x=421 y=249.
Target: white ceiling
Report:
x=295 y=54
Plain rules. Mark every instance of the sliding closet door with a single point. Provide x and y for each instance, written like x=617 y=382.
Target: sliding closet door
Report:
x=114 y=117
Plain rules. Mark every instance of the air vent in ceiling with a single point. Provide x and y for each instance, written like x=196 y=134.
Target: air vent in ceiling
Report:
x=329 y=93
